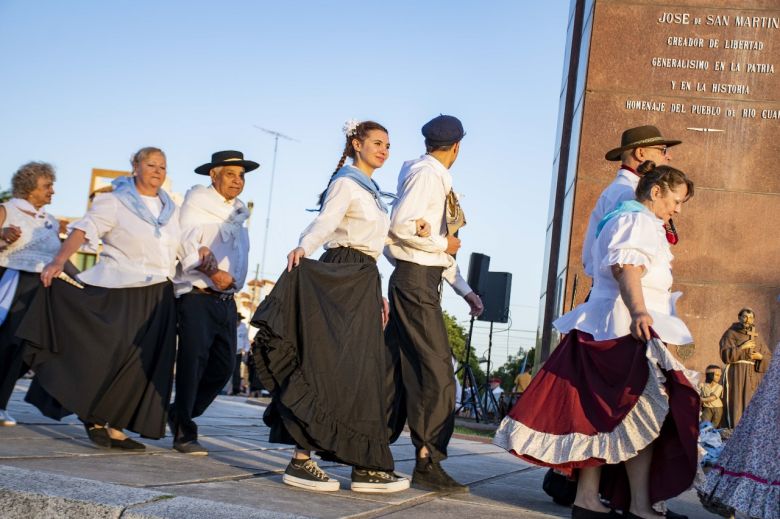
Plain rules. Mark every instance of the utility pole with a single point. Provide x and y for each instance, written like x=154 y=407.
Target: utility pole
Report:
x=276 y=136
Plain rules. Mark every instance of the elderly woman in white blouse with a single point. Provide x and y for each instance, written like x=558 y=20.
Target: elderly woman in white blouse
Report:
x=106 y=351
x=29 y=239
x=622 y=402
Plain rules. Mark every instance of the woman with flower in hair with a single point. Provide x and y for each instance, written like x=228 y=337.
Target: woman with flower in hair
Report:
x=320 y=348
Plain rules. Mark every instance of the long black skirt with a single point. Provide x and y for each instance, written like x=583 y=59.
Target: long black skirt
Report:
x=321 y=353
x=105 y=354
x=11 y=364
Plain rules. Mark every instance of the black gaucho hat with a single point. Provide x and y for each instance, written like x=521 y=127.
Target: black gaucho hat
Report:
x=443 y=131
x=640 y=137
x=227 y=158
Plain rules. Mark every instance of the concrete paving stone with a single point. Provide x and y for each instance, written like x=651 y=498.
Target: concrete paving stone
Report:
x=202 y=509
x=137 y=470
x=42 y=431
x=220 y=443
x=254 y=461
x=17 y=448
x=446 y=508
x=273 y=495
x=473 y=468
x=33 y=494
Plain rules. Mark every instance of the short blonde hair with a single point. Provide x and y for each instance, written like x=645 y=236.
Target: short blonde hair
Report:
x=25 y=180
x=141 y=154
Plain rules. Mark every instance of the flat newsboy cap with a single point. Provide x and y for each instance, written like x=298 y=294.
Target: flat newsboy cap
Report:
x=227 y=158
x=640 y=137
x=443 y=131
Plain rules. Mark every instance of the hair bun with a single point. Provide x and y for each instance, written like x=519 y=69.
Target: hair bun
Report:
x=646 y=167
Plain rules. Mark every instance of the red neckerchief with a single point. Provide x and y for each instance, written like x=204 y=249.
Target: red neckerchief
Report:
x=671 y=232
x=629 y=168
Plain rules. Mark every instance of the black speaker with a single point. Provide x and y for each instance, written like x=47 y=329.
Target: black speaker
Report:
x=479 y=265
x=498 y=287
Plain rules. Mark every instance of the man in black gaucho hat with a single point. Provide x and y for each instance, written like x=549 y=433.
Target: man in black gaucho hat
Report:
x=416 y=332
x=636 y=146
x=215 y=219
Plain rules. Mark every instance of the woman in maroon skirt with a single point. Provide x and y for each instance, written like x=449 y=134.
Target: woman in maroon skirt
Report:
x=627 y=409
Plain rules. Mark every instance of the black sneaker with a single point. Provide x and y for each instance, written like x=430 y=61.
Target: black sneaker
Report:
x=377 y=481
x=429 y=475
x=306 y=474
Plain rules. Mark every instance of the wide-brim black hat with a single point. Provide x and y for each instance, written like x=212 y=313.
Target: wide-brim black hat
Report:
x=227 y=158
x=640 y=137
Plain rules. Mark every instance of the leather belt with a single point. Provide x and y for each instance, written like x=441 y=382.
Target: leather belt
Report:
x=222 y=296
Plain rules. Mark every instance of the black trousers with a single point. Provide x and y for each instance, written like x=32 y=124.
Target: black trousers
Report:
x=237 y=373
x=204 y=363
x=12 y=366
x=417 y=335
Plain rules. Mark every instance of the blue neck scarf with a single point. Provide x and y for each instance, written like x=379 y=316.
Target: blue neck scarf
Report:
x=627 y=206
x=126 y=192
x=366 y=183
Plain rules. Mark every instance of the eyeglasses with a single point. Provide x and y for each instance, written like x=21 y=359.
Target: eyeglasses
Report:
x=664 y=149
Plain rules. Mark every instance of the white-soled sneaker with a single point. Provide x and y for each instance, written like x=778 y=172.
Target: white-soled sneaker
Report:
x=6 y=419
x=307 y=474
x=377 y=481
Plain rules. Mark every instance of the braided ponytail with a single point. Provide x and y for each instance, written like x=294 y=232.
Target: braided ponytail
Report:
x=360 y=133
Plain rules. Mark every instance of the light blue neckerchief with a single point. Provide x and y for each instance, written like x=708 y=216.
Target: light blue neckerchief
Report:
x=366 y=183
x=126 y=192
x=627 y=206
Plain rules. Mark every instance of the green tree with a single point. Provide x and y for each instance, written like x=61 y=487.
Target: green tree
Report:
x=511 y=368
x=457 y=337
x=5 y=195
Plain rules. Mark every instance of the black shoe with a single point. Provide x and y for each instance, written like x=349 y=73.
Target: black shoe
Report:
x=306 y=474
x=577 y=512
x=193 y=448
x=674 y=515
x=377 y=481
x=430 y=475
x=127 y=444
x=98 y=435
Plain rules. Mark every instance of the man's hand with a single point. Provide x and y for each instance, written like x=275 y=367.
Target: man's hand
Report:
x=12 y=233
x=423 y=228
x=207 y=263
x=640 y=326
x=453 y=244
x=385 y=312
x=294 y=258
x=222 y=280
x=756 y=356
x=475 y=303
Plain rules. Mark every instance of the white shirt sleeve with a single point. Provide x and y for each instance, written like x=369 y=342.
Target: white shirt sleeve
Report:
x=410 y=208
x=191 y=241
x=100 y=218
x=452 y=276
x=633 y=240
x=334 y=207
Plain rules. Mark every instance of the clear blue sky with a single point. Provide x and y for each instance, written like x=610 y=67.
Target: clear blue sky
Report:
x=86 y=83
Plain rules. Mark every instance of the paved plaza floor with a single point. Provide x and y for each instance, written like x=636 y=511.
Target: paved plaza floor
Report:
x=50 y=469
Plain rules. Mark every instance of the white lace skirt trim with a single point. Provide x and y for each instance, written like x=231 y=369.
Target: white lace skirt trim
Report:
x=638 y=429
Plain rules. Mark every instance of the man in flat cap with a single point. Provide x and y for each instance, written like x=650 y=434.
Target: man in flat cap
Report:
x=214 y=218
x=637 y=145
x=416 y=332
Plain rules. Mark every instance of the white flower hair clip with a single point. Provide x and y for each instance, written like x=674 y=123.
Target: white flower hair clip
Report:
x=350 y=127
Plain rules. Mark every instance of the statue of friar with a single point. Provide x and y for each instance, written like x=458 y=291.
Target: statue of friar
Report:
x=747 y=359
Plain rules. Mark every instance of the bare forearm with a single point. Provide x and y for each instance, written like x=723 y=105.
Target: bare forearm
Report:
x=629 y=278
x=70 y=246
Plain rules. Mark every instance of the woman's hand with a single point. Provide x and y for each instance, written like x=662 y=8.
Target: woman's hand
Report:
x=294 y=258
x=385 y=312
x=423 y=228
x=51 y=271
x=640 y=326
x=222 y=280
x=10 y=234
